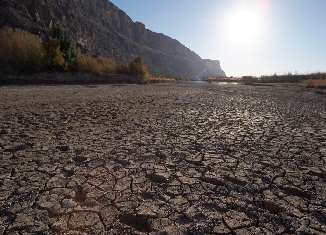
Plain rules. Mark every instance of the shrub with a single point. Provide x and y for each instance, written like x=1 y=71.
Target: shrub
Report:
x=318 y=83
x=138 y=68
x=291 y=78
x=107 y=65
x=87 y=63
x=20 y=50
x=101 y=65
x=249 y=79
x=122 y=69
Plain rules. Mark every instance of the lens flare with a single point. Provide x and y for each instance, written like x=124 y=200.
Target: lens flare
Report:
x=262 y=4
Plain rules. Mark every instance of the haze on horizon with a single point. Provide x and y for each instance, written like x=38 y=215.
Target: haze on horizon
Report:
x=249 y=37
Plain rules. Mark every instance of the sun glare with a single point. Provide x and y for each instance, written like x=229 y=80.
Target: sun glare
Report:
x=243 y=24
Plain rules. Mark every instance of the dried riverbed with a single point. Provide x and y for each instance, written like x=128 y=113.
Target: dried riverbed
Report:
x=162 y=159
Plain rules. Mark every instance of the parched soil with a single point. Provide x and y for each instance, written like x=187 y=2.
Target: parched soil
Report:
x=162 y=159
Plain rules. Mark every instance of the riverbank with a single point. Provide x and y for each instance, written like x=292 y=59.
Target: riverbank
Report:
x=75 y=79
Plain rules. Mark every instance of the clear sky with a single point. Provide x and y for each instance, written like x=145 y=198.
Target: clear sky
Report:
x=249 y=37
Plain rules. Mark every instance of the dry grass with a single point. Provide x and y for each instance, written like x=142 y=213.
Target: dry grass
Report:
x=161 y=79
x=317 y=83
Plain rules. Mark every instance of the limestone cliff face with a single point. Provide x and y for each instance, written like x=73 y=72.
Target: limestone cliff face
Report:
x=102 y=28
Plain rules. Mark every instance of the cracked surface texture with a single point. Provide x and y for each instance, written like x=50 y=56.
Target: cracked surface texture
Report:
x=162 y=159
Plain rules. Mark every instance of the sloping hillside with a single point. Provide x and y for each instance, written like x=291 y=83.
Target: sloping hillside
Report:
x=102 y=28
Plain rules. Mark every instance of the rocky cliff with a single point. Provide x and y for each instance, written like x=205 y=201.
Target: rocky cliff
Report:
x=102 y=28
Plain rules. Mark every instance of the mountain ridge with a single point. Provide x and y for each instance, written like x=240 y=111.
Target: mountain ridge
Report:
x=102 y=28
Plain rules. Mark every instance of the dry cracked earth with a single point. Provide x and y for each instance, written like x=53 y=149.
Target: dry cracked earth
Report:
x=162 y=159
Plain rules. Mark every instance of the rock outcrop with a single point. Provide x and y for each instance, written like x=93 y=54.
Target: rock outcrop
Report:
x=102 y=28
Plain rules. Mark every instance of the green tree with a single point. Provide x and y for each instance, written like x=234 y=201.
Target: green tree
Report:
x=53 y=57
x=61 y=41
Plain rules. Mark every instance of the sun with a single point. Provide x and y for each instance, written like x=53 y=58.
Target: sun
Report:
x=243 y=24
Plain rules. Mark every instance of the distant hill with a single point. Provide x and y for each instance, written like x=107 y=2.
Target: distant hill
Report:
x=101 y=28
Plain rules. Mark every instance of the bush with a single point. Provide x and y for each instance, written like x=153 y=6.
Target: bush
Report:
x=291 y=78
x=122 y=69
x=107 y=65
x=138 y=68
x=317 y=83
x=87 y=63
x=101 y=65
x=249 y=79
x=20 y=50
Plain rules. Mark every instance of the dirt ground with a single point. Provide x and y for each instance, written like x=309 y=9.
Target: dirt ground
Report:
x=182 y=158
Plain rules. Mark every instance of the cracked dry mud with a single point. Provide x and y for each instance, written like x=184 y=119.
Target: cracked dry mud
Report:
x=162 y=159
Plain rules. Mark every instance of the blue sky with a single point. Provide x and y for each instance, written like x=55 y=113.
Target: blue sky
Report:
x=249 y=37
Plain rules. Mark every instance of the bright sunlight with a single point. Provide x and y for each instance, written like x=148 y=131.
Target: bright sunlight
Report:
x=243 y=24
